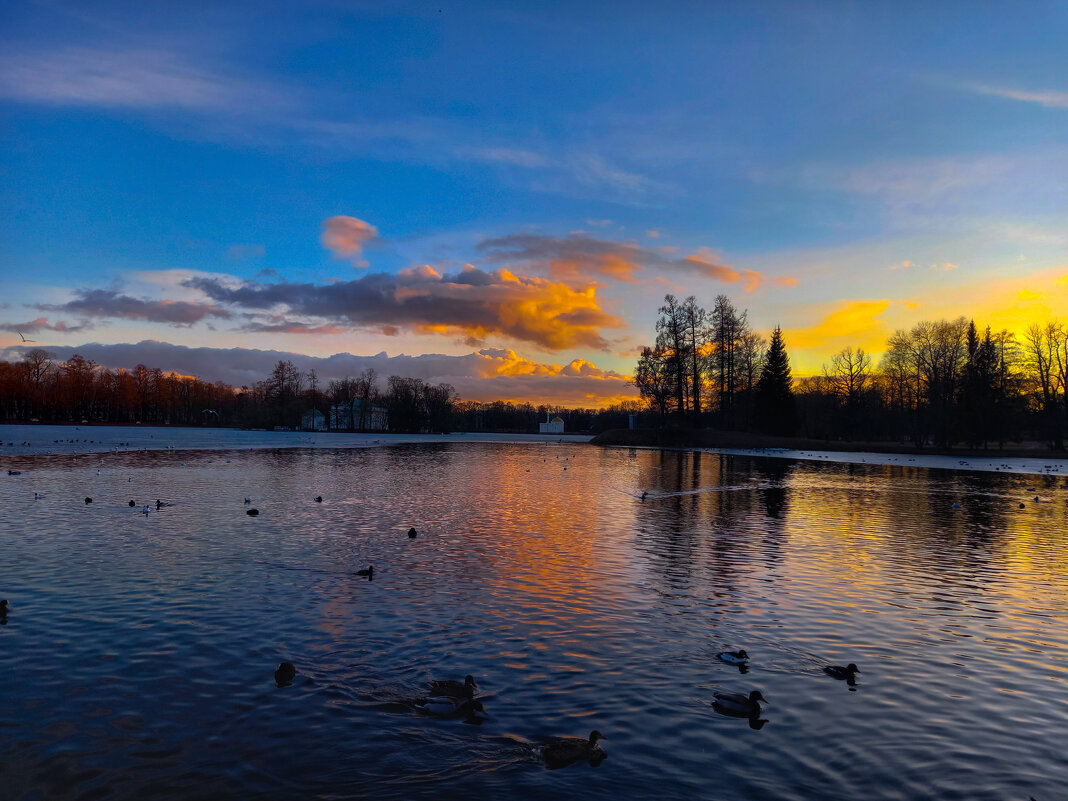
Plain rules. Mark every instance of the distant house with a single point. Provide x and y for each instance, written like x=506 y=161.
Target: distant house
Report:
x=554 y=426
x=313 y=420
x=355 y=415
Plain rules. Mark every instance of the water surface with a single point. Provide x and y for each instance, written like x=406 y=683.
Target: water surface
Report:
x=139 y=650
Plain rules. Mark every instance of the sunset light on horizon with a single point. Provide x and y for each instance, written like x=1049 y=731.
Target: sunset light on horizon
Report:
x=500 y=197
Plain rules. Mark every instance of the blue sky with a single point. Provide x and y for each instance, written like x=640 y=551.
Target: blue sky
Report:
x=839 y=169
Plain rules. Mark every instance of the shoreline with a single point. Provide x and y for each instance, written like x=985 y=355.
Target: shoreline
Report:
x=40 y=439
x=1013 y=461
x=737 y=440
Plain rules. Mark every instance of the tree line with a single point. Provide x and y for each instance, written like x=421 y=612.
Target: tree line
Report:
x=40 y=389
x=939 y=383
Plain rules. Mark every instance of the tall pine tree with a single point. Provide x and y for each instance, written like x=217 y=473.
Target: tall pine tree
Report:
x=776 y=413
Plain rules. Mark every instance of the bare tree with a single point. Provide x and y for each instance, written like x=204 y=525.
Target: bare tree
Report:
x=847 y=379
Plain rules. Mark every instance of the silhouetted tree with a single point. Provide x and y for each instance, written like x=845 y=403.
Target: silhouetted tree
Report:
x=776 y=412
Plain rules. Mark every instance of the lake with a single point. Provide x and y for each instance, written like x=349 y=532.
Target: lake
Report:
x=139 y=649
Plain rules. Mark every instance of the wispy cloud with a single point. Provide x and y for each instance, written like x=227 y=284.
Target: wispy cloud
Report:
x=108 y=303
x=1047 y=98
x=578 y=256
x=42 y=324
x=141 y=78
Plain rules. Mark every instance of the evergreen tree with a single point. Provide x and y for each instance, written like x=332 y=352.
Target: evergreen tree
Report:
x=776 y=413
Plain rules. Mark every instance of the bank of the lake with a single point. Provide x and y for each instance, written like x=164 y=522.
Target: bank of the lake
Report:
x=742 y=440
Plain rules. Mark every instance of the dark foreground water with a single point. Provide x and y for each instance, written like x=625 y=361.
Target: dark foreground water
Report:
x=138 y=653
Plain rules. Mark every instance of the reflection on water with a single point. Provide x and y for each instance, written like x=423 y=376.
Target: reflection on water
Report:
x=140 y=650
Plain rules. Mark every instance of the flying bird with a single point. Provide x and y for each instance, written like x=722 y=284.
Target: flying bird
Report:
x=24 y=338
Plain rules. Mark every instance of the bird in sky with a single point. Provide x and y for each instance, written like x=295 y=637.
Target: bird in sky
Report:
x=24 y=338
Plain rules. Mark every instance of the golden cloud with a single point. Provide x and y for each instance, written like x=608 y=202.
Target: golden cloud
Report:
x=472 y=304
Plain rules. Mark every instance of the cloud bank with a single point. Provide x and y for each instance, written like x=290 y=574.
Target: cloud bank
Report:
x=472 y=304
x=488 y=374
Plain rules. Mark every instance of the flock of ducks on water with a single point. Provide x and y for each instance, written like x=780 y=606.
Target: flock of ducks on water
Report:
x=739 y=705
x=449 y=698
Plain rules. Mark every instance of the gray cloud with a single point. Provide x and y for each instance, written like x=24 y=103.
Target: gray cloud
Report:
x=42 y=324
x=109 y=303
x=472 y=303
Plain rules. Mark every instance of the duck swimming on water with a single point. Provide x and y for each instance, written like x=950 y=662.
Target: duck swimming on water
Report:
x=448 y=706
x=738 y=704
x=284 y=674
x=739 y=657
x=563 y=751
x=454 y=688
x=368 y=571
x=839 y=672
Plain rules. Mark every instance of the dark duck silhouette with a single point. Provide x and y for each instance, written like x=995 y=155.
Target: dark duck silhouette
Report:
x=252 y=512
x=563 y=751
x=318 y=498
x=412 y=533
x=447 y=706
x=739 y=705
x=453 y=688
x=284 y=674
x=837 y=671
x=368 y=571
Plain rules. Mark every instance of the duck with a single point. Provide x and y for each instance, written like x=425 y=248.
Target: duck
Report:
x=739 y=657
x=412 y=533
x=562 y=751
x=248 y=500
x=644 y=495
x=839 y=672
x=447 y=706
x=736 y=703
x=88 y=500
x=453 y=688
x=3 y=608
x=368 y=571
x=284 y=674
x=132 y=503
x=252 y=512
x=318 y=498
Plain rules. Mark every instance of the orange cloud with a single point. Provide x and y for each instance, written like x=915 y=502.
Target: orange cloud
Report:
x=578 y=257
x=345 y=237
x=505 y=375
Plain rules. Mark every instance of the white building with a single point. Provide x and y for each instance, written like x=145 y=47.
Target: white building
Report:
x=554 y=426
x=344 y=416
x=313 y=420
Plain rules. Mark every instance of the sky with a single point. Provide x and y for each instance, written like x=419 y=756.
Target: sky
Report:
x=499 y=195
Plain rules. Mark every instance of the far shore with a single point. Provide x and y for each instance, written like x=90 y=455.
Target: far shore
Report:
x=739 y=440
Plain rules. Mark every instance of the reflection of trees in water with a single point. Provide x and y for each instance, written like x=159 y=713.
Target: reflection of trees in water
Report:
x=704 y=533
